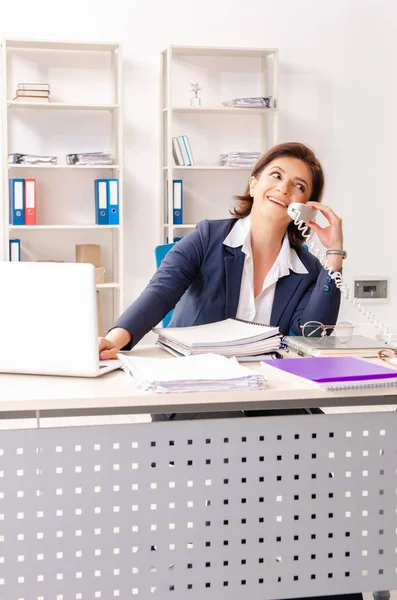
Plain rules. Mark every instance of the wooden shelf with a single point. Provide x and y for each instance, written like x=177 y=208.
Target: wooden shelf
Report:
x=49 y=45
x=212 y=129
x=32 y=227
x=226 y=51
x=107 y=286
x=67 y=167
x=227 y=110
x=60 y=106
x=209 y=168
x=183 y=226
x=89 y=78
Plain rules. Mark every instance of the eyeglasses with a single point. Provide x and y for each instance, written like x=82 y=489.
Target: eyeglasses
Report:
x=342 y=331
x=388 y=355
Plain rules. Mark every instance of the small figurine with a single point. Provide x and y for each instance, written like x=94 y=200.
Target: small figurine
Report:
x=195 y=101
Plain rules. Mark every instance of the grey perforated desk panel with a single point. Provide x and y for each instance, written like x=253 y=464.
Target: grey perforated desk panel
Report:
x=262 y=508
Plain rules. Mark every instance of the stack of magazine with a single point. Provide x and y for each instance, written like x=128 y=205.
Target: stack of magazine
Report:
x=228 y=338
x=206 y=373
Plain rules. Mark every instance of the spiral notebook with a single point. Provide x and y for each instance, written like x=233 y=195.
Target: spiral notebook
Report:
x=335 y=372
x=357 y=345
x=230 y=337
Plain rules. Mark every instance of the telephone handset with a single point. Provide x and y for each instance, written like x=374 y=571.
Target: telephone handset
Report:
x=305 y=212
x=301 y=214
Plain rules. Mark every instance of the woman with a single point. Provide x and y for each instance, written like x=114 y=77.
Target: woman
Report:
x=251 y=266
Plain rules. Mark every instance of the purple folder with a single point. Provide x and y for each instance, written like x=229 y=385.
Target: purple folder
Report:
x=333 y=369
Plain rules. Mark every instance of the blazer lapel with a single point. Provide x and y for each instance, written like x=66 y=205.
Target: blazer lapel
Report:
x=285 y=289
x=234 y=263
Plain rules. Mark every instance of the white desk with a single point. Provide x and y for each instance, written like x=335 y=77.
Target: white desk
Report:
x=262 y=508
x=114 y=391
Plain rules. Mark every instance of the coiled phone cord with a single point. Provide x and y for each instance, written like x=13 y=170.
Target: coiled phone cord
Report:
x=385 y=335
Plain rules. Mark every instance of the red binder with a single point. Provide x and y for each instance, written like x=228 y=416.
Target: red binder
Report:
x=30 y=201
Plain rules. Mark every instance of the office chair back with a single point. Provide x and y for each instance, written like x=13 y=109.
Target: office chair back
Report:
x=159 y=253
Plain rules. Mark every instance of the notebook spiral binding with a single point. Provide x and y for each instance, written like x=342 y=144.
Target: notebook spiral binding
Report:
x=299 y=346
x=252 y=323
x=355 y=386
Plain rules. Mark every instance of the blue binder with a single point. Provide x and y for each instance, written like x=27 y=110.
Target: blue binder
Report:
x=113 y=201
x=177 y=198
x=15 y=250
x=101 y=202
x=17 y=201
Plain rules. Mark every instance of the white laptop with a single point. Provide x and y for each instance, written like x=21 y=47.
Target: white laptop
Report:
x=48 y=320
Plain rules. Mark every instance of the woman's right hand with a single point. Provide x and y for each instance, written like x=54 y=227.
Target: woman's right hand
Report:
x=107 y=349
x=110 y=345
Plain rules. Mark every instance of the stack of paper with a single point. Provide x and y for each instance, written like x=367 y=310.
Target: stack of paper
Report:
x=205 y=373
x=31 y=159
x=253 y=102
x=238 y=159
x=228 y=338
x=89 y=158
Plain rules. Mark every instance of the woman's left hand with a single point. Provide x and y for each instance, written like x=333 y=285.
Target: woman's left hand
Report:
x=331 y=236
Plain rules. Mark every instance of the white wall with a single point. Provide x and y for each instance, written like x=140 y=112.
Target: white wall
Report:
x=337 y=93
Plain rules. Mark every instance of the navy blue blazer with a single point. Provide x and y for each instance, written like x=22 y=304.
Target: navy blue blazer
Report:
x=201 y=278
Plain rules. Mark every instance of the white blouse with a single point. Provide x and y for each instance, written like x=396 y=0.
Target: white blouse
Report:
x=259 y=309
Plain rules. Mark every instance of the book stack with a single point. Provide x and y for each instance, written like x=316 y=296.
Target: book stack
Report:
x=89 y=158
x=33 y=92
x=182 y=152
x=230 y=337
x=207 y=373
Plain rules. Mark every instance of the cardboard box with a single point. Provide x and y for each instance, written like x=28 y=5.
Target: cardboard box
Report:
x=100 y=274
x=88 y=253
x=98 y=304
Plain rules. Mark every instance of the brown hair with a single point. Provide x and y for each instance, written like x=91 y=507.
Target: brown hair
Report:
x=294 y=150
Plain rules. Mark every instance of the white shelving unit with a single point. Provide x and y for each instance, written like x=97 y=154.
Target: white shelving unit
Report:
x=223 y=74
x=84 y=115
